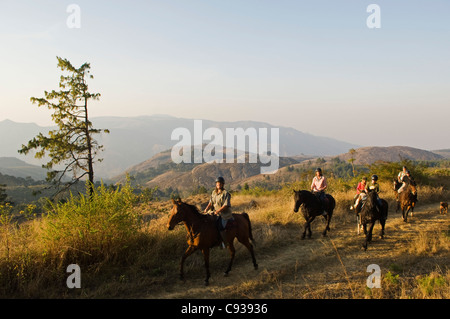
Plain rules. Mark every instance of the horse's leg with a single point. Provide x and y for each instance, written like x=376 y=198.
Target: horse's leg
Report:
x=305 y=227
x=368 y=236
x=382 y=223
x=327 y=228
x=232 y=253
x=358 y=224
x=243 y=236
x=205 y=253
x=246 y=243
x=370 y=232
x=405 y=214
x=186 y=254
x=309 y=230
x=308 y=227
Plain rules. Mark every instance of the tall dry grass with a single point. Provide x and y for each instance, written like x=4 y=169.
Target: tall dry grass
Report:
x=123 y=245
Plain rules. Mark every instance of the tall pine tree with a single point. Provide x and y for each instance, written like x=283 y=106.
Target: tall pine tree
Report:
x=71 y=147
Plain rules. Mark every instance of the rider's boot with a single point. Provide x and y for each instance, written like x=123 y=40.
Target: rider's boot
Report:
x=223 y=236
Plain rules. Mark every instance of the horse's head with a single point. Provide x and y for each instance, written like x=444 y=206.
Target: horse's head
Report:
x=372 y=193
x=176 y=214
x=413 y=188
x=371 y=200
x=299 y=199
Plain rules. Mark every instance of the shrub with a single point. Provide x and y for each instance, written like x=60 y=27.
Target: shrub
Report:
x=93 y=228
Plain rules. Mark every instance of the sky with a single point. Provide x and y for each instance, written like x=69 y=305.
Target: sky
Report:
x=314 y=66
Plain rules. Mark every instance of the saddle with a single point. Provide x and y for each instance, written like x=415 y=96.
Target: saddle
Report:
x=231 y=224
x=323 y=201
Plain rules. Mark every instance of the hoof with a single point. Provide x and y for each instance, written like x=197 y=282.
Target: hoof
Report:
x=225 y=274
x=206 y=283
x=256 y=266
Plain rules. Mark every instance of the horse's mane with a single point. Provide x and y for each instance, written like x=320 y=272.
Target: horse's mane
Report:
x=194 y=209
x=308 y=193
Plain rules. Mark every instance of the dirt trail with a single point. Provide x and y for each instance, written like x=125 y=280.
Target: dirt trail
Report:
x=332 y=267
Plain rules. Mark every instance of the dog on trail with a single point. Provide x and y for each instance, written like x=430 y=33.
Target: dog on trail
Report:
x=443 y=209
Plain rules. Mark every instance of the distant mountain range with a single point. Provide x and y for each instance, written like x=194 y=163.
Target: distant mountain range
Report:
x=160 y=170
x=15 y=167
x=445 y=153
x=141 y=146
x=135 y=139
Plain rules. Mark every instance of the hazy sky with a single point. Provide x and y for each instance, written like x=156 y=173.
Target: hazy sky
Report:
x=311 y=65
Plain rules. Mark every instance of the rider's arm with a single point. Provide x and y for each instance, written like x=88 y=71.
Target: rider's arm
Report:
x=324 y=184
x=207 y=207
x=221 y=209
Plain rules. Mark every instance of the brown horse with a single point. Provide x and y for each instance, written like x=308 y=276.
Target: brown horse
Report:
x=397 y=186
x=407 y=200
x=203 y=233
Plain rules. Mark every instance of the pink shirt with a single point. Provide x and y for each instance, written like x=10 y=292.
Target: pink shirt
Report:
x=319 y=184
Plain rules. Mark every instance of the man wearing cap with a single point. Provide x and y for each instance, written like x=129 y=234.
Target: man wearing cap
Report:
x=220 y=204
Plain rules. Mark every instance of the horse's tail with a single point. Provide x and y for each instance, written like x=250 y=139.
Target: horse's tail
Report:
x=250 y=235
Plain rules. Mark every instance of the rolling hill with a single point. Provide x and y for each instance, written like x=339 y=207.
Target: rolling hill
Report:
x=445 y=153
x=133 y=140
x=371 y=154
x=15 y=167
x=162 y=172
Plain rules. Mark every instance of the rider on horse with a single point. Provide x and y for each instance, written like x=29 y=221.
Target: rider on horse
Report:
x=318 y=186
x=374 y=186
x=403 y=178
x=360 y=192
x=220 y=202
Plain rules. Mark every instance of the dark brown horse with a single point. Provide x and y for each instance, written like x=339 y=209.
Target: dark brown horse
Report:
x=313 y=208
x=369 y=214
x=203 y=233
x=407 y=200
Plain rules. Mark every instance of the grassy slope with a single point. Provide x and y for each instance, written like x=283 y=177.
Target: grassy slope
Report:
x=331 y=267
x=413 y=257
